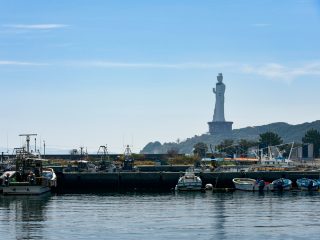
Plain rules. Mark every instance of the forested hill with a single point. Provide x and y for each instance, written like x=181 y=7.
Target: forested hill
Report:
x=287 y=132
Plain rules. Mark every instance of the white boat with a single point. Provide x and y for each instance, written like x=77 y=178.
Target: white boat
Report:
x=20 y=183
x=30 y=177
x=189 y=182
x=275 y=157
x=249 y=184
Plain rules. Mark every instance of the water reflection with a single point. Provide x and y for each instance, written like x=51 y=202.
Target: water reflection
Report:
x=237 y=215
x=23 y=216
x=220 y=217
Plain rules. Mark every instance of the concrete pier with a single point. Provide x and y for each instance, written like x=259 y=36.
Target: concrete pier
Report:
x=161 y=181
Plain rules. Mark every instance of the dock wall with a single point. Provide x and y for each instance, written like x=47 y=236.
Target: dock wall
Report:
x=161 y=181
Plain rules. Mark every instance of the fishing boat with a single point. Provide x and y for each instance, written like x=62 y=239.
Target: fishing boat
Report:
x=249 y=184
x=189 y=182
x=273 y=156
x=30 y=177
x=29 y=182
x=281 y=184
x=128 y=163
x=307 y=184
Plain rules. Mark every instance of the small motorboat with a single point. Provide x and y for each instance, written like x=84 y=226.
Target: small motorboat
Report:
x=189 y=182
x=307 y=184
x=281 y=184
x=244 y=184
x=249 y=184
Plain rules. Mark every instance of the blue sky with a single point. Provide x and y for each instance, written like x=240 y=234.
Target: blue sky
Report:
x=88 y=73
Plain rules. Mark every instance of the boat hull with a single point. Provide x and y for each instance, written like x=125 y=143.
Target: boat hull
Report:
x=281 y=184
x=249 y=184
x=189 y=183
x=306 y=184
x=194 y=187
x=25 y=190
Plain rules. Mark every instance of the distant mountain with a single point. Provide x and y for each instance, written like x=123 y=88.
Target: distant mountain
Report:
x=287 y=132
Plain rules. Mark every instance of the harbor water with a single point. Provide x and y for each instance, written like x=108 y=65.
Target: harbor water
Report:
x=233 y=215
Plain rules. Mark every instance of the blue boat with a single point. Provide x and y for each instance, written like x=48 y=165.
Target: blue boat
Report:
x=307 y=184
x=281 y=184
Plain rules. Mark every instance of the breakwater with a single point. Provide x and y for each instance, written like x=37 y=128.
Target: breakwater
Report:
x=161 y=181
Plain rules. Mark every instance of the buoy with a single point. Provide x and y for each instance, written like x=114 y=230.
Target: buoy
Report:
x=209 y=186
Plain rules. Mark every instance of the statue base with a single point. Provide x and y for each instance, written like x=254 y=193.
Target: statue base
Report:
x=220 y=127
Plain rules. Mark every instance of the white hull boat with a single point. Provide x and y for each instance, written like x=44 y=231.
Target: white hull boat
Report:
x=25 y=189
x=249 y=184
x=34 y=186
x=189 y=182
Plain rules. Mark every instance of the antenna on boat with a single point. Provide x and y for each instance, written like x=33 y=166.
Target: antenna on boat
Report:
x=81 y=151
x=44 y=148
x=292 y=145
x=28 y=139
x=104 y=152
x=7 y=143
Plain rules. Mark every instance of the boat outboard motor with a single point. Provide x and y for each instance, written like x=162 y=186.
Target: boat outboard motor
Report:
x=6 y=180
x=280 y=185
x=310 y=185
x=261 y=185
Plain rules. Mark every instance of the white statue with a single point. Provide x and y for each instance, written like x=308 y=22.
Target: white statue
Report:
x=219 y=107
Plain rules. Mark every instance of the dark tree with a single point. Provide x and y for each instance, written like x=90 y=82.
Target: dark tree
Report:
x=172 y=152
x=244 y=145
x=227 y=146
x=313 y=136
x=200 y=149
x=269 y=139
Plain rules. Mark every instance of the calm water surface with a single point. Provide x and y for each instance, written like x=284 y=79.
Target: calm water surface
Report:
x=238 y=215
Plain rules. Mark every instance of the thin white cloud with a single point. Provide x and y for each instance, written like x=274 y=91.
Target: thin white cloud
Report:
x=36 y=26
x=273 y=71
x=109 y=64
x=277 y=71
x=20 y=63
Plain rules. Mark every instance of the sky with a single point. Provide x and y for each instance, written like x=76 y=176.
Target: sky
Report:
x=89 y=73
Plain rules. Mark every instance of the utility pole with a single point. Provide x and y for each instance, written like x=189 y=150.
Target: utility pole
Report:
x=44 y=148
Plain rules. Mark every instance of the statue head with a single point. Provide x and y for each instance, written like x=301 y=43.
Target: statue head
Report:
x=220 y=78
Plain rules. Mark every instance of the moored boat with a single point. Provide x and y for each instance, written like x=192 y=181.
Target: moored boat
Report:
x=244 y=184
x=281 y=184
x=30 y=177
x=189 y=182
x=35 y=182
x=249 y=184
x=307 y=184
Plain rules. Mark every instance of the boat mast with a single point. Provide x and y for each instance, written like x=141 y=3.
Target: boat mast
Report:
x=28 y=139
x=292 y=145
